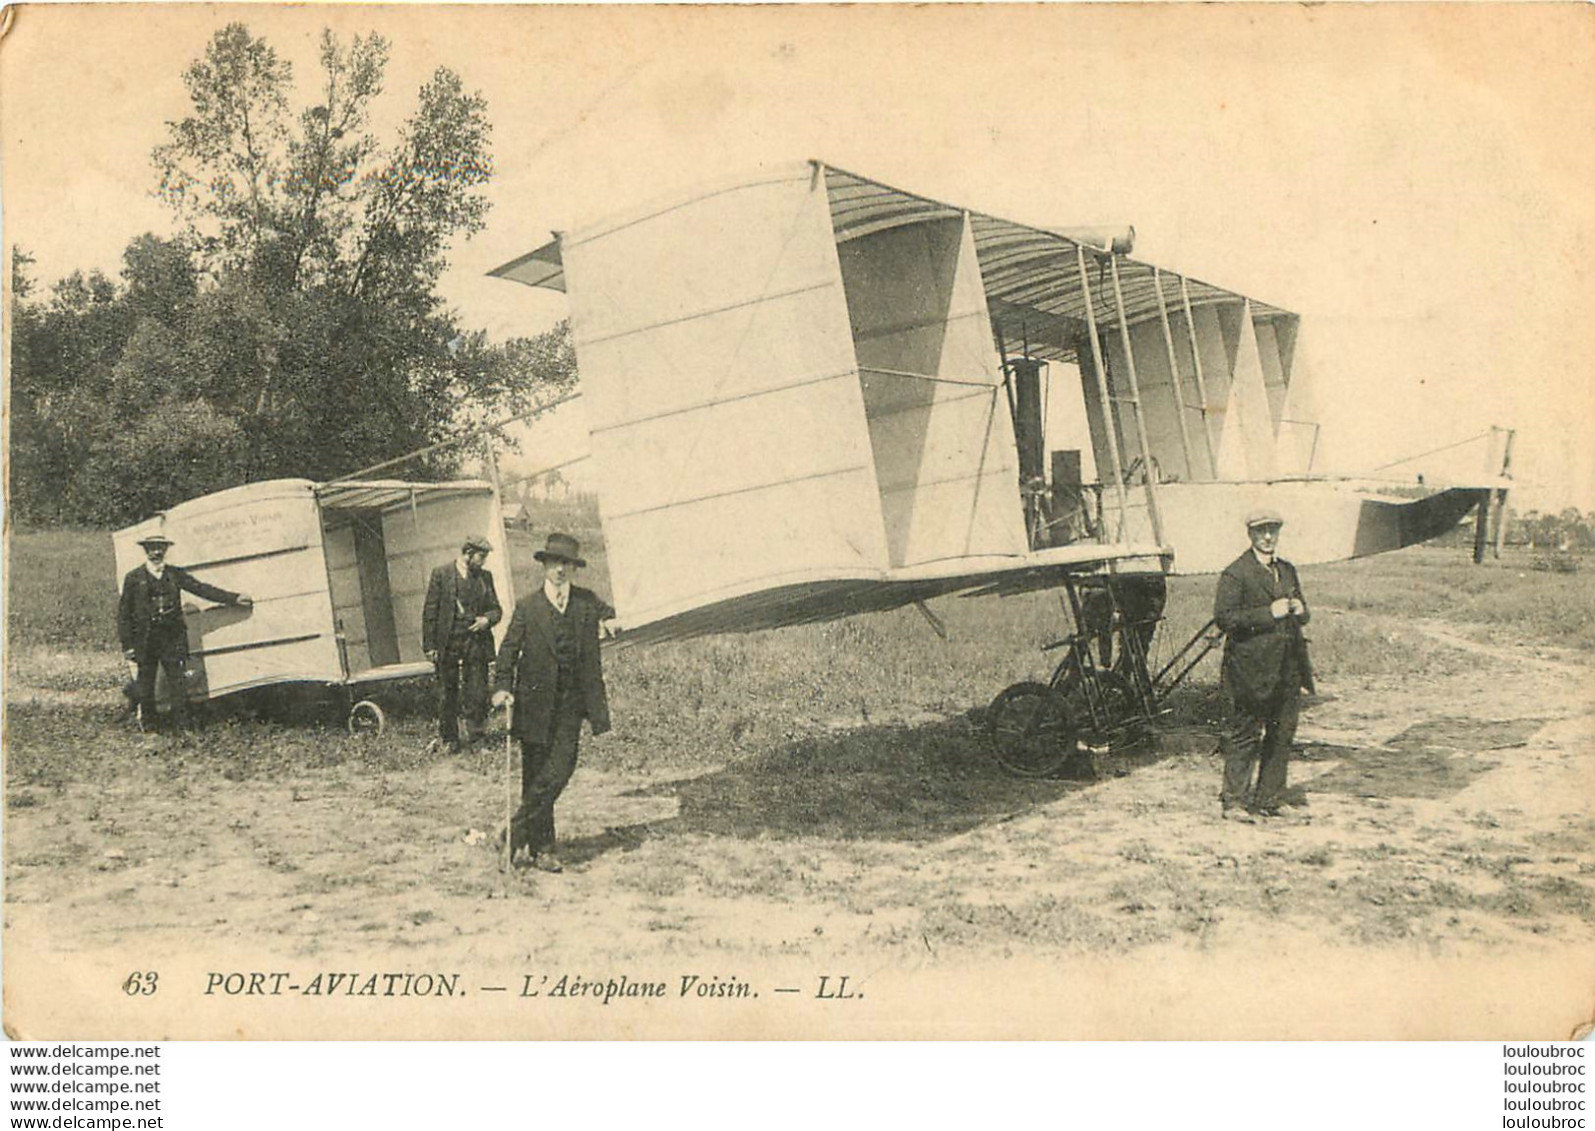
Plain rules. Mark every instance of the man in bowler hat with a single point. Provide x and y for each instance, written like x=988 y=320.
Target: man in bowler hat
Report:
x=550 y=670
x=154 y=635
x=457 y=636
x=1260 y=608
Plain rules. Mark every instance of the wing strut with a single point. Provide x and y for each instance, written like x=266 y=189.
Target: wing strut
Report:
x=1201 y=383
x=1107 y=400
x=1174 y=373
x=1148 y=472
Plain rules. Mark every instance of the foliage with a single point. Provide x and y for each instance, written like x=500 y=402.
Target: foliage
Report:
x=291 y=326
x=1567 y=529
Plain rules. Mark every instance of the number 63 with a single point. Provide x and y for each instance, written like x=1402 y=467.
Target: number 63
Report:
x=140 y=984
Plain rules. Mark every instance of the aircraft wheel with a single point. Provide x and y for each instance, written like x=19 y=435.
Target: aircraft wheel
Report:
x=366 y=719
x=1030 y=732
x=1119 y=722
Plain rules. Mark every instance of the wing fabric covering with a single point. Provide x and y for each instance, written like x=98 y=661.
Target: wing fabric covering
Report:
x=1298 y=449
x=1325 y=521
x=727 y=421
x=939 y=425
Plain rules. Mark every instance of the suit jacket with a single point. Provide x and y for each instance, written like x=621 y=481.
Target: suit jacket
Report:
x=1261 y=654
x=136 y=608
x=527 y=669
x=440 y=611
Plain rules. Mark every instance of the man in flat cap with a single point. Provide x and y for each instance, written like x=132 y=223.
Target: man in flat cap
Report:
x=1260 y=609
x=154 y=635
x=457 y=636
x=550 y=670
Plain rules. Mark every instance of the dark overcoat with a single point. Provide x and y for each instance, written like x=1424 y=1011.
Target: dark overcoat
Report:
x=437 y=615
x=1261 y=654
x=527 y=669
x=136 y=609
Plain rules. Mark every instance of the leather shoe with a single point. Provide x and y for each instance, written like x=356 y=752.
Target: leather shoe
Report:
x=1238 y=813
x=547 y=862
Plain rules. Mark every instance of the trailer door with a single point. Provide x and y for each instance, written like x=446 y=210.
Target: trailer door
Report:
x=376 y=596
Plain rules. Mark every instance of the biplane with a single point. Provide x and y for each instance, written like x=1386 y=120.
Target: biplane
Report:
x=809 y=394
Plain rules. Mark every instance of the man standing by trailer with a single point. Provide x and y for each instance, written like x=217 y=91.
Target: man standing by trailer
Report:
x=457 y=636
x=1260 y=609
x=154 y=635
x=550 y=659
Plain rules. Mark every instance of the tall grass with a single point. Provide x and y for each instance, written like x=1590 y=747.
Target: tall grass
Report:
x=1428 y=581
x=710 y=699
x=61 y=590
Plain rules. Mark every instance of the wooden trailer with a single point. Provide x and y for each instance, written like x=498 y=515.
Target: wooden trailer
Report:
x=338 y=573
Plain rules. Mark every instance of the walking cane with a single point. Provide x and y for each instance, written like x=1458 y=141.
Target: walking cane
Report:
x=509 y=795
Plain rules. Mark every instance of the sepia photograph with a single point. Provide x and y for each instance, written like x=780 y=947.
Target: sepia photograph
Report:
x=814 y=522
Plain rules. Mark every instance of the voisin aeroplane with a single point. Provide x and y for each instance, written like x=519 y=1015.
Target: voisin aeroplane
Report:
x=809 y=394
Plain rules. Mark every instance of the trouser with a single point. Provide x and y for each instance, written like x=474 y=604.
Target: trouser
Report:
x=546 y=768
x=462 y=689
x=1258 y=734
x=162 y=649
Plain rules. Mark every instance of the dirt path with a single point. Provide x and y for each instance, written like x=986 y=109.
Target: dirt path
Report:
x=1447 y=818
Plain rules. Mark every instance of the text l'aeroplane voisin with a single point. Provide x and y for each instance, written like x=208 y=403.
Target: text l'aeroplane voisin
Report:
x=809 y=394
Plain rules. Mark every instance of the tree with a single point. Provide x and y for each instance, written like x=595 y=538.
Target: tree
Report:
x=292 y=326
x=160 y=277
x=1566 y=530
x=27 y=431
x=326 y=247
x=21 y=283
x=62 y=354
x=221 y=169
x=1571 y=530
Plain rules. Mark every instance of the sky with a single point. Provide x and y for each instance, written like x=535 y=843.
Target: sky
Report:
x=1414 y=181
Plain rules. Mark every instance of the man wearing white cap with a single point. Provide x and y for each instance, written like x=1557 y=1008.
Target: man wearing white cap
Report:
x=149 y=620
x=1260 y=609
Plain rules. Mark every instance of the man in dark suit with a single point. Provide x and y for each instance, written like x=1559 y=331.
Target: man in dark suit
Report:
x=457 y=636
x=1260 y=608
x=154 y=635
x=550 y=670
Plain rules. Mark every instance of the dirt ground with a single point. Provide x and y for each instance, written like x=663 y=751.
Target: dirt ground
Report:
x=1450 y=818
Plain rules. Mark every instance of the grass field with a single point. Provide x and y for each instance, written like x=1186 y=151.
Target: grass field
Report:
x=61 y=589
x=825 y=789
x=712 y=699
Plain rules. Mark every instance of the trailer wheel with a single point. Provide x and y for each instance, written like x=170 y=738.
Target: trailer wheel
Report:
x=1030 y=731
x=366 y=719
